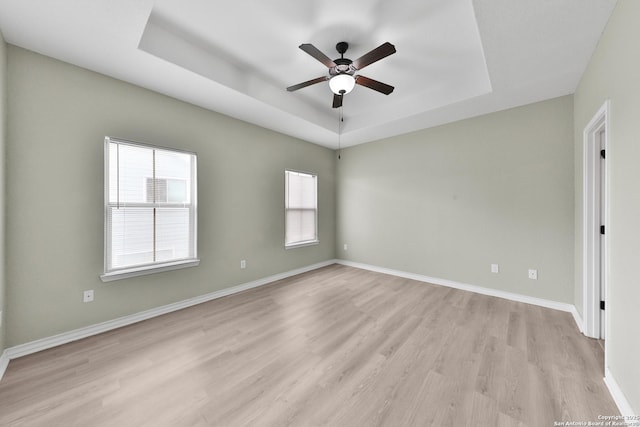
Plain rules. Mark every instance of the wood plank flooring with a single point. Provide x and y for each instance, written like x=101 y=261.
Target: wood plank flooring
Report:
x=337 y=346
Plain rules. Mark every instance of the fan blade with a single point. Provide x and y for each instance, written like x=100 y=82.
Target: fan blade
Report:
x=313 y=51
x=337 y=100
x=376 y=54
x=374 y=84
x=307 y=83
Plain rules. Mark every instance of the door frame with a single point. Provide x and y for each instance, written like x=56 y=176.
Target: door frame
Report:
x=592 y=256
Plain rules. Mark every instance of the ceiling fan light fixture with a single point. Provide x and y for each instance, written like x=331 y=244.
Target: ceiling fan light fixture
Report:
x=341 y=84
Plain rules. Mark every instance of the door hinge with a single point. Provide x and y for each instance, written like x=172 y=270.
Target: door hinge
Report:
x=603 y=154
x=601 y=305
x=602 y=229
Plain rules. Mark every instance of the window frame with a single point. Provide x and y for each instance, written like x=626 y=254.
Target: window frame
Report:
x=301 y=243
x=110 y=274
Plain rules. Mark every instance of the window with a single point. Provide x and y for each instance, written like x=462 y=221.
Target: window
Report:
x=150 y=209
x=301 y=209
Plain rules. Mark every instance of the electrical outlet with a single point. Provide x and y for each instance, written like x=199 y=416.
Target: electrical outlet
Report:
x=346 y=248
x=495 y=268
x=88 y=296
x=533 y=274
x=243 y=263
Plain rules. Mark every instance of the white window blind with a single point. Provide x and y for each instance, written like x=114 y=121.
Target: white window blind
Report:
x=301 y=208
x=150 y=208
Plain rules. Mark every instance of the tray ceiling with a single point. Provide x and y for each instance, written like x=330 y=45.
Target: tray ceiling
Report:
x=455 y=58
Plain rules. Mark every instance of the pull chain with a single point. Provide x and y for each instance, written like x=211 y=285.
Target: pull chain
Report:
x=340 y=121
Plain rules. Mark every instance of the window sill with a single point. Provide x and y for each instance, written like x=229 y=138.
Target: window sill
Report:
x=142 y=271
x=302 y=244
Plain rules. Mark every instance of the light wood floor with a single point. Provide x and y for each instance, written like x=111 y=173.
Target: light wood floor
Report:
x=337 y=347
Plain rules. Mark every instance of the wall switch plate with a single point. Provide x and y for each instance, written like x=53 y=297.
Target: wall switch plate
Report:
x=87 y=296
x=495 y=268
x=346 y=247
x=533 y=274
x=243 y=263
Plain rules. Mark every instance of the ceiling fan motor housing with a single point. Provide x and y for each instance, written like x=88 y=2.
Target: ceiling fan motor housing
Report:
x=343 y=65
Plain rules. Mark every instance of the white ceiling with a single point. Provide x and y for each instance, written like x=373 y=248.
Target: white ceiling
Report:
x=455 y=58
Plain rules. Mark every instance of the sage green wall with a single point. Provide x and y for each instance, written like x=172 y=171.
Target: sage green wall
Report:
x=3 y=135
x=613 y=73
x=448 y=202
x=59 y=115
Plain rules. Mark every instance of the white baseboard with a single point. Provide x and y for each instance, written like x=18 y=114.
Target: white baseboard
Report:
x=577 y=318
x=618 y=397
x=4 y=362
x=76 y=334
x=570 y=308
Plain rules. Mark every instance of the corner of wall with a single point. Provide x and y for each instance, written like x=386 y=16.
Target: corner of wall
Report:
x=3 y=137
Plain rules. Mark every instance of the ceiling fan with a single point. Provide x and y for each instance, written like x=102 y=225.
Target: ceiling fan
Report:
x=342 y=78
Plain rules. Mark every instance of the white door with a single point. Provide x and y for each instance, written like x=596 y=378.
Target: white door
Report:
x=603 y=220
x=595 y=224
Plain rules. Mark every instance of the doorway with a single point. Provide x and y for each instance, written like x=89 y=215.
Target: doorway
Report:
x=594 y=262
